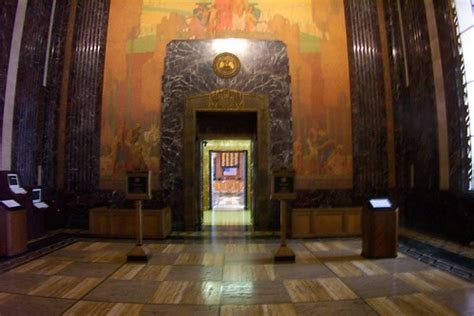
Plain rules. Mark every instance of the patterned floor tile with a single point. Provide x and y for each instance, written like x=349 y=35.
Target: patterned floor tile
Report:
x=207 y=247
x=96 y=246
x=194 y=273
x=247 y=248
x=379 y=285
x=265 y=309
x=174 y=248
x=205 y=259
x=202 y=293
x=302 y=271
x=27 y=267
x=398 y=265
x=433 y=280
x=251 y=258
x=78 y=246
x=65 y=287
x=131 y=271
x=119 y=291
x=103 y=308
x=156 y=248
x=259 y=292
x=107 y=256
x=460 y=300
x=326 y=246
x=186 y=292
x=43 y=266
x=21 y=283
x=249 y=272
x=354 y=268
x=163 y=258
x=70 y=255
x=336 y=308
x=32 y=305
x=127 y=271
x=170 y=292
x=181 y=310
x=89 y=269
x=315 y=290
x=153 y=273
x=305 y=256
x=411 y=304
x=230 y=276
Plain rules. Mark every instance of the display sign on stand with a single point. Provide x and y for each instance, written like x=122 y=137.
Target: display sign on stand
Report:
x=37 y=211
x=283 y=189
x=379 y=229
x=13 y=218
x=139 y=185
x=139 y=189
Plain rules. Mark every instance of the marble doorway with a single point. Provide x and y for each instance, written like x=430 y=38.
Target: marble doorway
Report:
x=190 y=87
x=226 y=114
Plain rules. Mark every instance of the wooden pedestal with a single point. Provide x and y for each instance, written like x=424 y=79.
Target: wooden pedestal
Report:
x=13 y=232
x=379 y=233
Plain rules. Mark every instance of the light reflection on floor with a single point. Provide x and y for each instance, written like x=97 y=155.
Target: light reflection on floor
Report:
x=227 y=217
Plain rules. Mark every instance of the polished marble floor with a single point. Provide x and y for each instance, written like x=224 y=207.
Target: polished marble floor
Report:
x=229 y=277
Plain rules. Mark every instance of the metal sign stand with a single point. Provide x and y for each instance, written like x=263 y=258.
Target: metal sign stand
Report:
x=140 y=252
x=283 y=253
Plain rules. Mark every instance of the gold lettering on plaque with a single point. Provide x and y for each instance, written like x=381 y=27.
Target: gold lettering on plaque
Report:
x=225 y=98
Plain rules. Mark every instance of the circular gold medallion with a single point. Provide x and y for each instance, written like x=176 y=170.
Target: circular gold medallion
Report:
x=226 y=65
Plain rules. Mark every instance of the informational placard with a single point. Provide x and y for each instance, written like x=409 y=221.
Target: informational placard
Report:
x=138 y=185
x=36 y=195
x=380 y=203
x=14 y=184
x=283 y=185
x=10 y=203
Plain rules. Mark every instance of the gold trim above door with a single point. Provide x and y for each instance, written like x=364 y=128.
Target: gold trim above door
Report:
x=226 y=100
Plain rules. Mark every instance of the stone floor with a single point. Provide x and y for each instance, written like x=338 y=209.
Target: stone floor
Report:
x=229 y=277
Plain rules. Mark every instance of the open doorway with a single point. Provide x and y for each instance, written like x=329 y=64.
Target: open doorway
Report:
x=225 y=115
x=226 y=182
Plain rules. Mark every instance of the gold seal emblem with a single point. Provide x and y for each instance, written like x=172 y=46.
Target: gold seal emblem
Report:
x=226 y=65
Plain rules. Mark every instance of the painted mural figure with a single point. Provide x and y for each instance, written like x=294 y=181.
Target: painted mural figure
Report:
x=251 y=18
x=324 y=149
x=320 y=148
x=199 y=21
x=337 y=163
x=119 y=152
x=297 y=155
x=223 y=15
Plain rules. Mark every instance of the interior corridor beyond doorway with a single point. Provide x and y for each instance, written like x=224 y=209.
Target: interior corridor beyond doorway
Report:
x=226 y=182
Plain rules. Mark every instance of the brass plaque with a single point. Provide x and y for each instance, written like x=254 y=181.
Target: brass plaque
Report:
x=283 y=185
x=138 y=185
x=226 y=65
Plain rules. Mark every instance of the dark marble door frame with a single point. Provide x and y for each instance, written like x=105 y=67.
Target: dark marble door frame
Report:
x=226 y=100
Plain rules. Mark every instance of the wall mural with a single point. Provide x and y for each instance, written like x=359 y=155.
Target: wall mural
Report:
x=313 y=30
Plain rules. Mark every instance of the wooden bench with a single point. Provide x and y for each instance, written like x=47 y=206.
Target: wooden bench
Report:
x=325 y=222
x=122 y=222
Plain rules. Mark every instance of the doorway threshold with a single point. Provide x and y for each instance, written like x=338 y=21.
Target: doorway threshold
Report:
x=227 y=228
x=227 y=218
